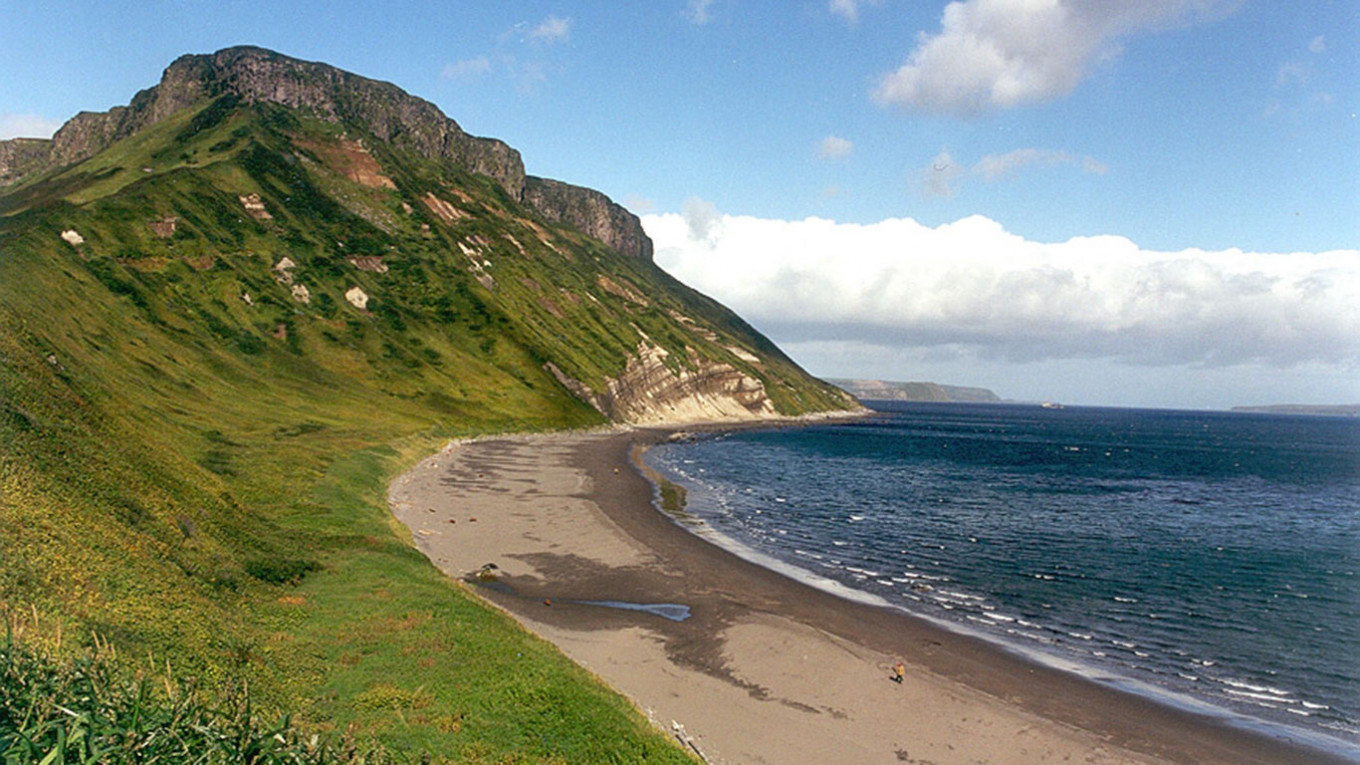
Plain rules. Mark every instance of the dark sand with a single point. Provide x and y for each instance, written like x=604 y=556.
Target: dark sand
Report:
x=765 y=669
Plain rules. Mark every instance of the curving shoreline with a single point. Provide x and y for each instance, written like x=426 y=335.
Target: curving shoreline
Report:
x=765 y=668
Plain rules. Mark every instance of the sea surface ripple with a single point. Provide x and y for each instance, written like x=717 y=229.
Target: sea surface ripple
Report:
x=1205 y=556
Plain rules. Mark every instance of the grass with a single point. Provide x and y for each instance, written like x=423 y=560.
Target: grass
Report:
x=201 y=478
x=85 y=709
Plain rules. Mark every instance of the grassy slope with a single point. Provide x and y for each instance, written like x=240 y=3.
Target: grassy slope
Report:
x=202 y=480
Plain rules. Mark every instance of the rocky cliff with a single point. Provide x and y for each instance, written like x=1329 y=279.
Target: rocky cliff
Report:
x=591 y=212
x=255 y=75
x=21 y=156
x=649 y=392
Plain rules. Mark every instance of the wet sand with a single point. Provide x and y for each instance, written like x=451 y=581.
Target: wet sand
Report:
x=765 y=669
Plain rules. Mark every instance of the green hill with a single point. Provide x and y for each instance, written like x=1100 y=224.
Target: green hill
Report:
x=233 y=310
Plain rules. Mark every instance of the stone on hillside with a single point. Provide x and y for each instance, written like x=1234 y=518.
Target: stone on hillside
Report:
x=71 y=237
x=357 y=298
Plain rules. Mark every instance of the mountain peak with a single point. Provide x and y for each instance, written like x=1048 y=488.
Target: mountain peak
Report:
x=254 y=75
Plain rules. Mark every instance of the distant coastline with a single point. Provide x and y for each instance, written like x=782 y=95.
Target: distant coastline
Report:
x=1331 y=410
x=887 y=390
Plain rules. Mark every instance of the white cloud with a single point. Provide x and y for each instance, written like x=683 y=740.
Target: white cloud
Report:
x=467 y=68
x=697 y=11
x=26 y=126
x=997 y=54
x=849 y=9
x=942 y=176
x=833 y=147
x=701 y=218
x=552 y=29
x=1317 y=44
x=970 y=287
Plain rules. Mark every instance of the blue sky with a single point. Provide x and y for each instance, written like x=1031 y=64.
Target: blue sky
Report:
x=1152 y=203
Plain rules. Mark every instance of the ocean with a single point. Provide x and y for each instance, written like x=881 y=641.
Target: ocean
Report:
x=1206 y=558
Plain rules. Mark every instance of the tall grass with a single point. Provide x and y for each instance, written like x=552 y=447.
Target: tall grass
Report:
x=86 y=709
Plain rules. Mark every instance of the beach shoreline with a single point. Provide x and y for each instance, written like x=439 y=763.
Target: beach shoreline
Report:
x=764 y=668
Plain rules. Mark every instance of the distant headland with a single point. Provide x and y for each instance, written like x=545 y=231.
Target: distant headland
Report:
x=885 y=390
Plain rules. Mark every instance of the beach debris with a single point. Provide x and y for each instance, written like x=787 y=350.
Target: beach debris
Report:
x=489 y=572
x=687 y=740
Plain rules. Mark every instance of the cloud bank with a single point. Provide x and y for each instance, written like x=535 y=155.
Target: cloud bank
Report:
x=997 y=54
x=974 y=287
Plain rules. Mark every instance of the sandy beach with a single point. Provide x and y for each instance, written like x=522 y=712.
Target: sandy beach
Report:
x=763 y=669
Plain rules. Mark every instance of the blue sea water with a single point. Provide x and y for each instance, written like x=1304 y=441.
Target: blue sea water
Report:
x=1210 y=557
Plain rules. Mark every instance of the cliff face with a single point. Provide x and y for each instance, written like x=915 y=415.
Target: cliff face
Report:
x=255 y=75
x=649 y=392
x=20 y=156
x=591 y=212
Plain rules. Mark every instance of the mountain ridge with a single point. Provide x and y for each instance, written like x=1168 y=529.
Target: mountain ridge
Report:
x=255 y=75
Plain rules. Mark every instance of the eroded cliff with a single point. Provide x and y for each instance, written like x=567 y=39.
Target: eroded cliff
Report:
x=648 y=391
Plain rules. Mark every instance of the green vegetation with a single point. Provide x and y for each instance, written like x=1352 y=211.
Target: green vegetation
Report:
x=197 y=429
x=82 y=710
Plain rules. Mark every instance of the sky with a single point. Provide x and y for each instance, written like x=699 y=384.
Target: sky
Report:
x=1151 y=203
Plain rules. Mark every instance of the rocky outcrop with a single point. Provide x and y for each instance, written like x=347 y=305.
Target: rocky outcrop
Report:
x=589 y=211
x=20 y=156
x=253 y=75
x=649 y=392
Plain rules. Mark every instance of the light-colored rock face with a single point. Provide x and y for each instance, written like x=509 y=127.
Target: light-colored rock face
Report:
x=649 y=392
x=301 y=293
x=357 y=298
x=71 y=236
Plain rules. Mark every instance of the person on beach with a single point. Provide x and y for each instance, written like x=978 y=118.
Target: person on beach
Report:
x=899 y=672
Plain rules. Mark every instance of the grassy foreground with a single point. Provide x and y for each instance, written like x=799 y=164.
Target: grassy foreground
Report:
x=334 y=621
